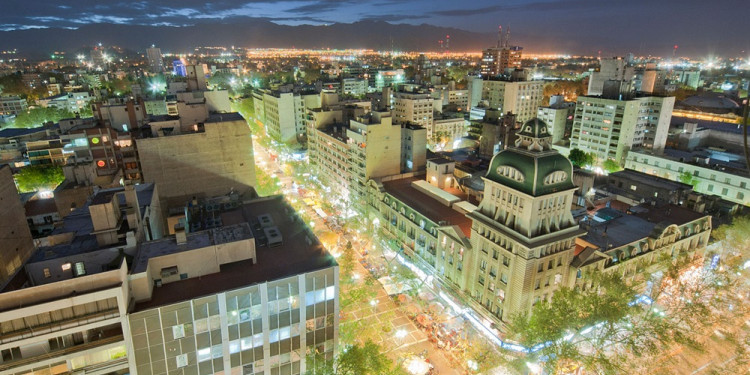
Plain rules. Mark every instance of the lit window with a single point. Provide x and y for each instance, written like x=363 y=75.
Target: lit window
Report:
x=80 y=269
x=66 y=266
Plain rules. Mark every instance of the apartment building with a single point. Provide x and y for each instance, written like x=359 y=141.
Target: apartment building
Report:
x=610 y=128
x=12 y=105
x=522 y=98
x=17 y=242
x=413 y=108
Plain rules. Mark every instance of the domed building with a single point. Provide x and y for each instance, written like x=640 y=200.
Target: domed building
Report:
x=523 y=230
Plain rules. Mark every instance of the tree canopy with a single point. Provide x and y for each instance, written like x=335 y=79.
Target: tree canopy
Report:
x=611 y=166
x=39 y=177
x=580 y=158
x=366 y=359
x=38 y=116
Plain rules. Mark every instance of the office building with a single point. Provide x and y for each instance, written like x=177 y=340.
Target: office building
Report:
x=155 y=59
x=219 y=298
x=496 y=132
x=283 y=114
x=610 y=128
x=520 y=97
x=178 y=68
x=207 y=159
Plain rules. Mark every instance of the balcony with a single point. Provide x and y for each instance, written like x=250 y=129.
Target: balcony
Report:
x=108 y=337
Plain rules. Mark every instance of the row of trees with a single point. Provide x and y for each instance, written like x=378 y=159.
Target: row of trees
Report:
x=603 y=331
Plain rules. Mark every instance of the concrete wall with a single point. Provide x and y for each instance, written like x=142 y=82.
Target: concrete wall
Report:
x=15 y=237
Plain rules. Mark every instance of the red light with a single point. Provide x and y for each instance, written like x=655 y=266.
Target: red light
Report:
x=101 y=163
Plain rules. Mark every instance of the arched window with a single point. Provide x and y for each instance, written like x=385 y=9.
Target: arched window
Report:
x=511 y=173
x=555 y=177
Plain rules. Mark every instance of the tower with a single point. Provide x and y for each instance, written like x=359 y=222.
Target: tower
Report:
x=523 y=232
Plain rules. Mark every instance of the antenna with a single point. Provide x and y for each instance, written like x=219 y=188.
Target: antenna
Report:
x=507 y=37
x=500 y=36
x=447 y=43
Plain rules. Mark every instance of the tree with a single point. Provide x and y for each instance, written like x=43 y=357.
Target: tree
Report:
x=39 y=177
x=38 y=116
x=346 y=261
x=580 y=158
x=611 y=166
x=366 y=359
x=311 y=75
x=604 y=331
x=687 y=178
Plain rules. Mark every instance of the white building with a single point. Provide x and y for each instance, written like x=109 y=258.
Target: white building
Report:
x=413 y=107
x=610 y=127
x=155 y=60
x=523 y=98
x=12 y=105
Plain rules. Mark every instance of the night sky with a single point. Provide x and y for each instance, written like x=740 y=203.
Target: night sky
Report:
x=701 y=28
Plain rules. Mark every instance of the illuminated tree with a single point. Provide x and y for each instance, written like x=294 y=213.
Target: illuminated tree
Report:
x=366 y=359
x=38 y=116
x=687 y=178
x=611 y=166
x=39 y=177
x=580 y=158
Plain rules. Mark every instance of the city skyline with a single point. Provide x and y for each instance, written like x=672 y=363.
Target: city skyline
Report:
x=577 y=27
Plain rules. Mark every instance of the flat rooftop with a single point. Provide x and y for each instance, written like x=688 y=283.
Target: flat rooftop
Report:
x=197 y=240
x=650 y=180
x=610 y=228
x=301 y=252
x=221 y=117
x=428 y=206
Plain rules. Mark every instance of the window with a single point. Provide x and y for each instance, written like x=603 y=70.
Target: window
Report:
x=47 y=274
x=506 y=261
x=483 y=265
x=540 y=268
x=537 y=284
x=178 y=331
x=182 y=360
x=80 y=269
x=503 y=278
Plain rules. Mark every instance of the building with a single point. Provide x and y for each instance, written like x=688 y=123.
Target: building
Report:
x=346 y=156
x=523 y=98
x=559 y=118
x=614 y=69
x=413 y=108
x=413 y=148
x=446 y=129
x=208 y=159
x=283 y=114
x=522 y=243
x=635 y=187
x=216 y=299
x=610 y=128
x=710 y=172
x=353 y=86
x=155 y=59
x=73 y=102
x=12 y=105
x=496 y=60
x=178 y=68
x=496 y=132
x=17 y=243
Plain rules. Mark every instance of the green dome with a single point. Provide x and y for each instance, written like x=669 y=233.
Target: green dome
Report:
x=535 y=128
x=535 y=172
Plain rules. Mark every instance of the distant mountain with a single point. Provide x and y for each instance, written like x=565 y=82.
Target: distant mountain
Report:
x=252 y=33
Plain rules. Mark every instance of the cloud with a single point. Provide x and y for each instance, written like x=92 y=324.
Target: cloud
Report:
x=320 y=6
x=394 y=17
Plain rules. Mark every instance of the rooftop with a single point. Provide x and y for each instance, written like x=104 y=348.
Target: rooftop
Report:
x=609 y=228
x=428 y=206
x=197 y=240
x=19 y=132
x=300 y=252
x=650 y=180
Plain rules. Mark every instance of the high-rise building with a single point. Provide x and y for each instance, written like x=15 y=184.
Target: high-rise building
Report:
x=17 y=244
x=496 y=60
x=283 y=114
x=611 y=127
x=155 y=59
x=520 y=97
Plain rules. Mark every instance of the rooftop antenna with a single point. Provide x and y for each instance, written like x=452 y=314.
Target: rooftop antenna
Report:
x=447 y=43
x=500 y=36
x=507 y=37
